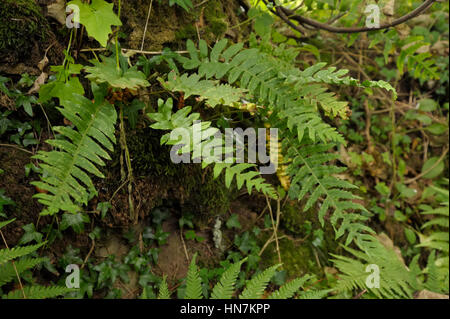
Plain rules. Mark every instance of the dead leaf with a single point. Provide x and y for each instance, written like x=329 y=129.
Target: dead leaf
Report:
x=426 y=294
x=38 y=83
x=388 y=8
x=388 y=243
x=57 y=10
x=43 y=63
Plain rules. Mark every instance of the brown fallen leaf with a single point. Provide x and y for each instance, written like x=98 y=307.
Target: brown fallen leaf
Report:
x=38 y=83
x=57 y=10
x=426 y=294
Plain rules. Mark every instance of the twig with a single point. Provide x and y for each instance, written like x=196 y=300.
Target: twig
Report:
x=146 y=24
x=89 y=254
x=409 y=181
x=283 y=13
x=18 y=148
x=184 y=246
x=14 y=266
x=131 y=50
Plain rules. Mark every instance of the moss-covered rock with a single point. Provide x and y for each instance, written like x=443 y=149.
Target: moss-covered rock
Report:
x=21 y=26
x=298 y=259
x=158 y=180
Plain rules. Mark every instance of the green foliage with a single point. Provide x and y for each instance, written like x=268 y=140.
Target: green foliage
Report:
x=167 y=120
x=295 y=98
x=193 y=282
x=396 y=281
x=97 y=17
x=185 y=4
x=79 y=152
x=210 y=91
x=10 y=269
x=123 y=78
x=437 y=239
x=225 y=288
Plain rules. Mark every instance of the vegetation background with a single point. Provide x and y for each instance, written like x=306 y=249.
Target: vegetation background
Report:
x=86 y=175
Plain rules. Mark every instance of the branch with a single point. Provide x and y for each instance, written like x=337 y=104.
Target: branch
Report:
x=288 y=15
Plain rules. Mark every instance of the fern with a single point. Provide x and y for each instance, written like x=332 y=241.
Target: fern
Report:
x=294 y=98
x=16 y=252
x=210 y=91
x=290 y=288
x=396 y=280
x=10 y=269
x=421 y=65
x=224 y=289
x=164 y=292
x=437 y=239
x=254 y=289
x=80 y=151
x=167 y=120
x=38 y=292
x=8 y=273
x=312 y=173
x=193 y=282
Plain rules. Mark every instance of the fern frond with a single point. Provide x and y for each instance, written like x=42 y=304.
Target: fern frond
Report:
x=211 y=92
x=79 y=152
x=7 y=222
x=243 y=173
x=421 y=65
x=164 y=292
x=395 y=280
x=8 y=273
x=193 y=282
x=254 y=289
x=313 y=174
x=224 y=289
x=314 y=294
x=15 y=252
x=290 y=288
x=39 y=292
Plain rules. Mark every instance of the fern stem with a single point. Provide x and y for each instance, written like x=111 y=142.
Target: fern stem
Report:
x=123 y=144
x=117 y=38
x=15 y=268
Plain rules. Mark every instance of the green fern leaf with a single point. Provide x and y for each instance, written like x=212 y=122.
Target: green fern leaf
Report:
x=193 y=282
x=224 y=289
x=15 y=252
x=8 y=273
x=79 y=153
x=290 y=288
x=39 y=292
x=254 y=288
x=164 y=292
x=107 y=72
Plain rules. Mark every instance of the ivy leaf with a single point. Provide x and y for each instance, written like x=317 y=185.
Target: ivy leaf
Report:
x=106 y=71
x=30 y=235
x=98 y=18
x=76 y=221
x=61 y=90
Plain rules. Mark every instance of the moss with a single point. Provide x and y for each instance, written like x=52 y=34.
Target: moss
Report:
x=302 y=224
x=216 y=19
x=21 y=24
x=192 y=188
x=298 y=260
x=187 y=32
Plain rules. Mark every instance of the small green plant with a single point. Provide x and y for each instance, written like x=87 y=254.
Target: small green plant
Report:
x=13 y=262
x=225 y=288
